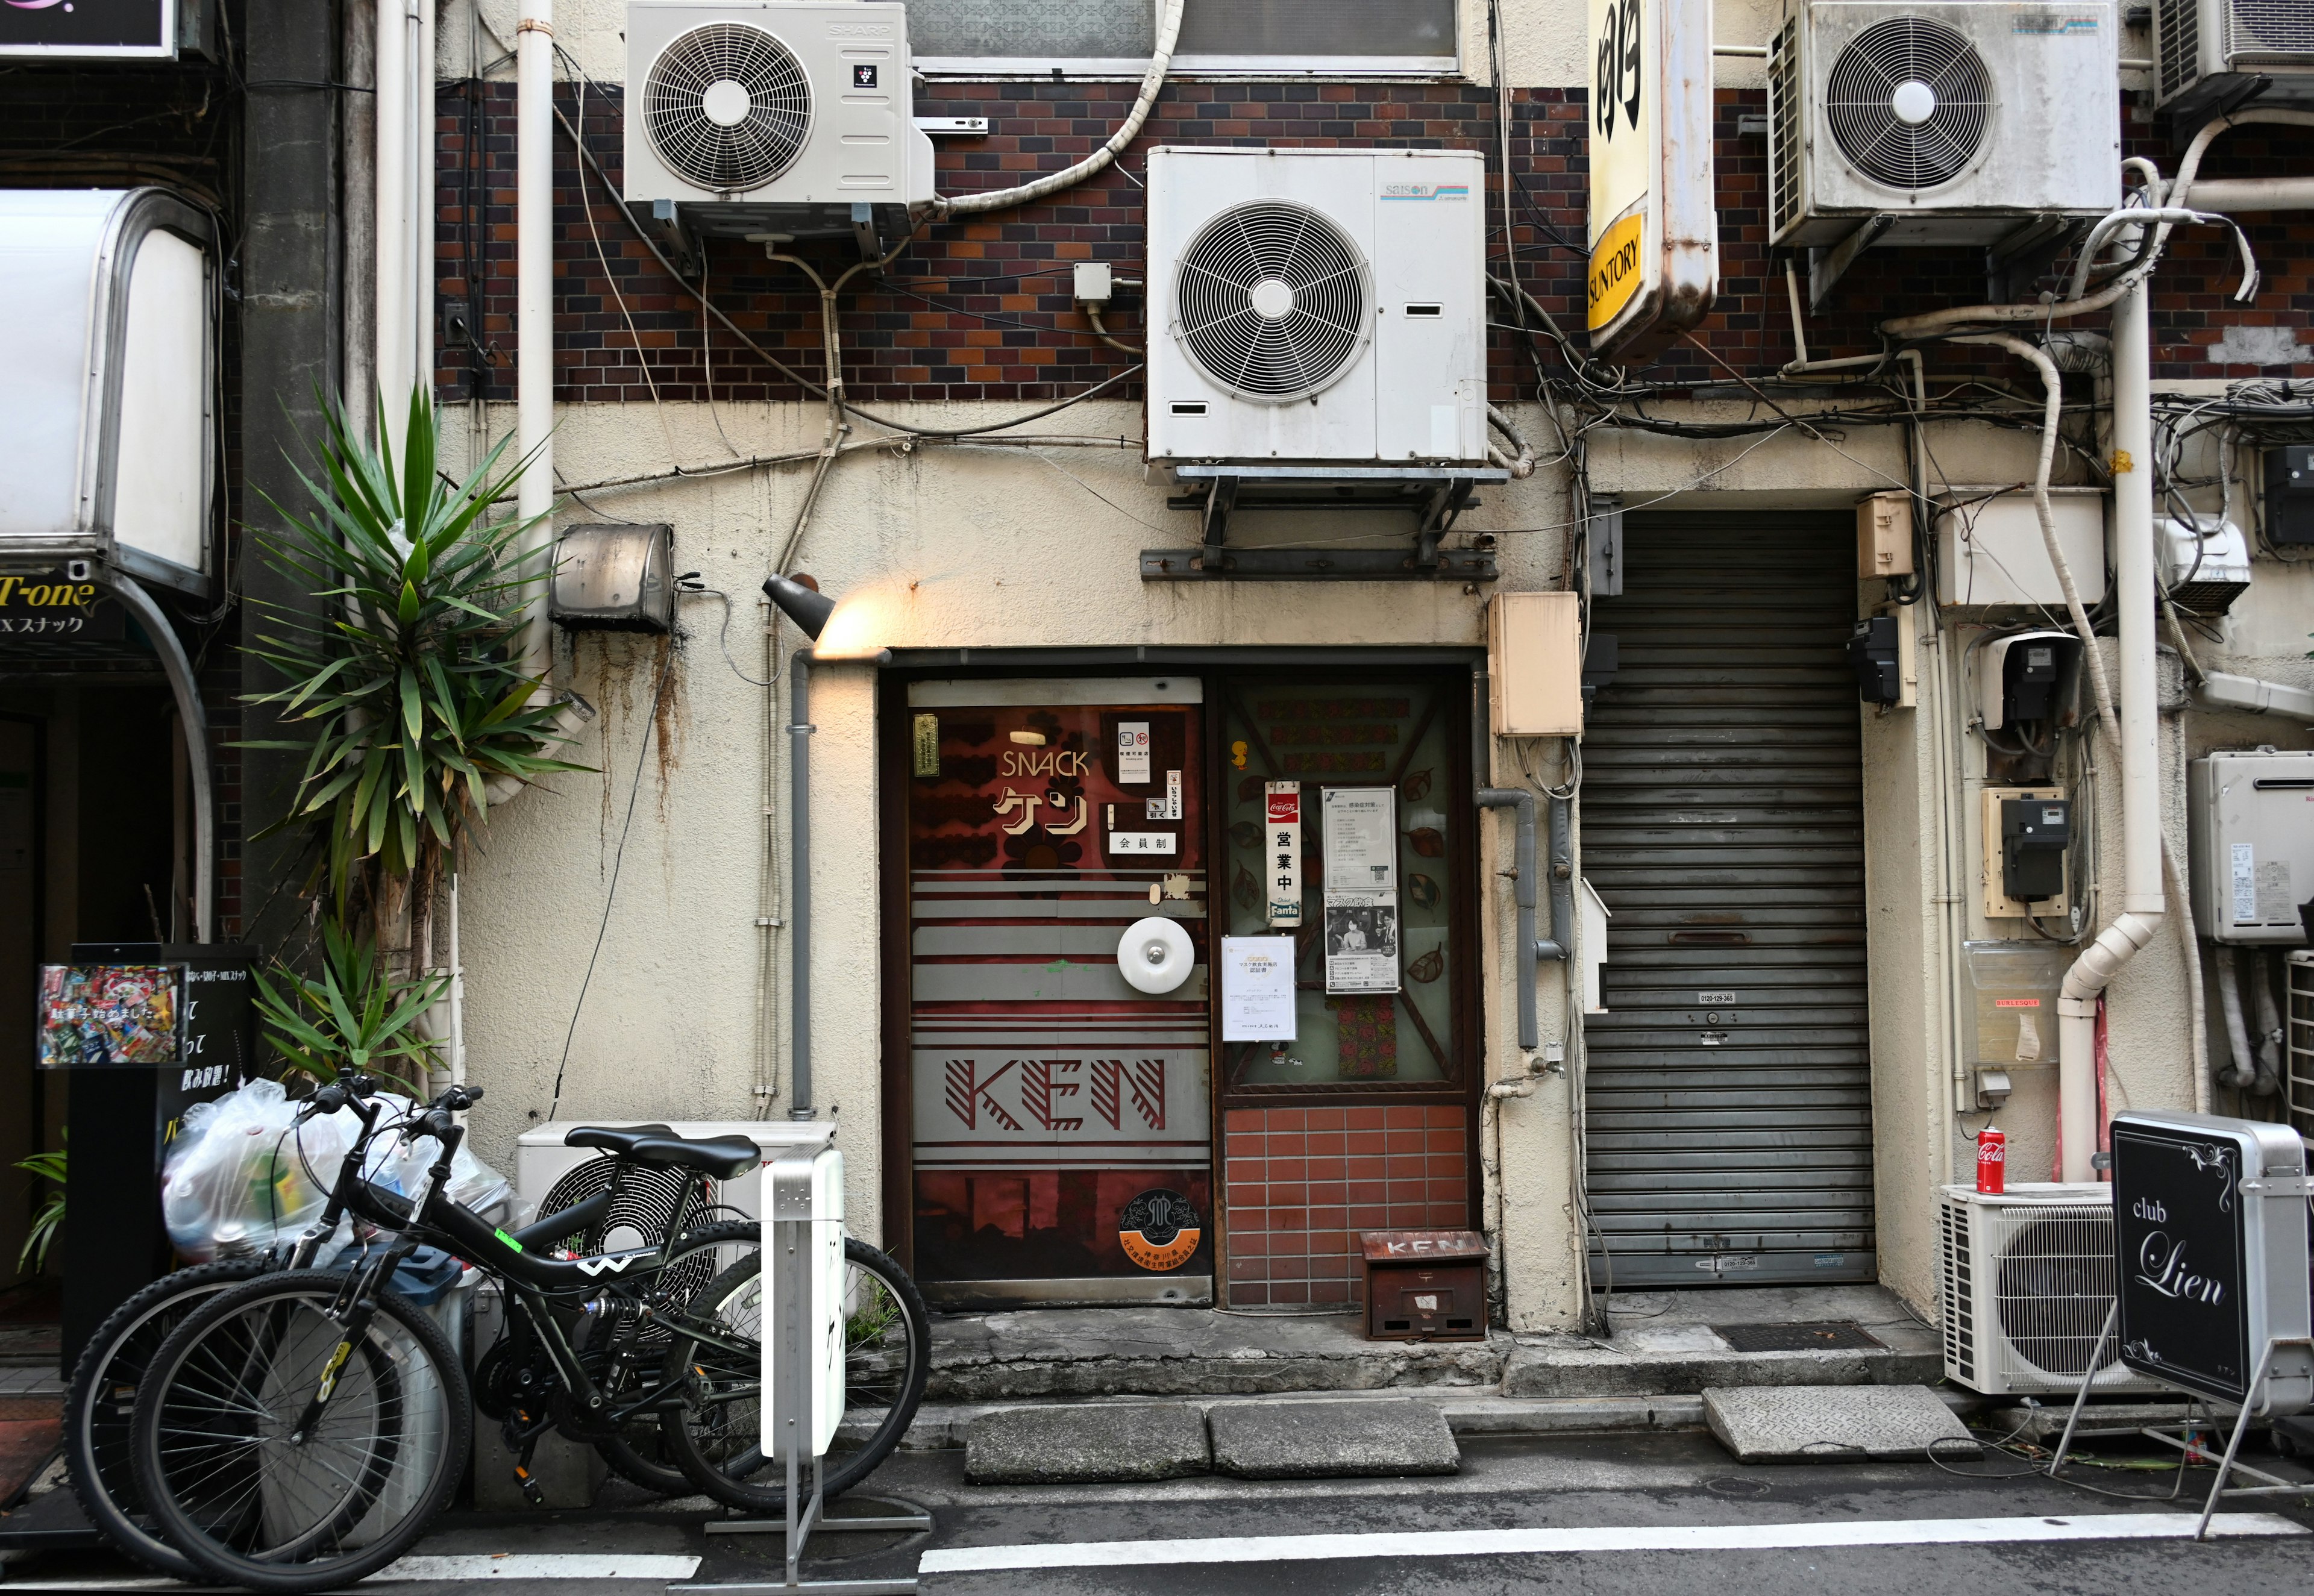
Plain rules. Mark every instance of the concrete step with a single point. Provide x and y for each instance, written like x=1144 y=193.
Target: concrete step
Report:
x=1662 y=1345
x=1834 y=1423
x=1273 y=1438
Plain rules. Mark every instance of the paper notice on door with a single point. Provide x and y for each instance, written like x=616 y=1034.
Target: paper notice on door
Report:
x=1282 y=845
x=1132 y=753
x=1361 y=839
x=1168 y=808
x=1257 y=988
x=1361 y=941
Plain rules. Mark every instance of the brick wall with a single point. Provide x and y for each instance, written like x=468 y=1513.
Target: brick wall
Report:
x=1301 y=1183
x=980 y=308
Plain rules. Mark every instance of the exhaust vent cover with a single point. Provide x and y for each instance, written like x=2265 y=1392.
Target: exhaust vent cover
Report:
x=1272 y=301
x=1909 y=102
x=728 y=107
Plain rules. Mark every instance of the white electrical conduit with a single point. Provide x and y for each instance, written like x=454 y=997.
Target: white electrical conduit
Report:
x=2166 y=216
x=2144 y=901
x=1168 y=30
x=1521 y=465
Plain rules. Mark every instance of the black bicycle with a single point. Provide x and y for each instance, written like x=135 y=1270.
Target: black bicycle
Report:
x=302 y=1429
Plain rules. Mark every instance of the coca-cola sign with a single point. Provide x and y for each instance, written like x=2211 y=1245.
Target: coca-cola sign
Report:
x=2178 y=1229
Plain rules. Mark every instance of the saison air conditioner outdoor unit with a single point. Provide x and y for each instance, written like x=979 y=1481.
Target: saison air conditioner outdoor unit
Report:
x=760 y=116
x=1321 y=306
x=2027 y=1280
x=1940 y=121
x=2211 y=57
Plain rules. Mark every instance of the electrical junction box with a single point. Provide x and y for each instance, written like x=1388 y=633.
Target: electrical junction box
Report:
x=2000 y=826
x=2290 y=494
x=1317 y=306
x=615 y=578
x=1534 y=665
x=1990 y=551
x=1873 y=656
x=2028 y=675
x=2250 y=818
x=1884 y=536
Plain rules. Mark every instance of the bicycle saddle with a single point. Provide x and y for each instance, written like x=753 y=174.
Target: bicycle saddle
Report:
x=726 y=1158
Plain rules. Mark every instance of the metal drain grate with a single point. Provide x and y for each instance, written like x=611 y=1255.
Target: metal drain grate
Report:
x=1824 y=1335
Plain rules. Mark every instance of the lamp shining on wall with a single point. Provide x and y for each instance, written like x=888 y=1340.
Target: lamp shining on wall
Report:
x=801 y=600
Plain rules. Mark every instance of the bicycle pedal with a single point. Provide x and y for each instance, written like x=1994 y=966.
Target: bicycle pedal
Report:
x=534 y=1494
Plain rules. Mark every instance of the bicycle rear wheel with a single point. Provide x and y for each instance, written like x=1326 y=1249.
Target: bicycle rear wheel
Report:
x=717 y=1437
x=637 y=1452
x=103 y=1393
x=282 y=1450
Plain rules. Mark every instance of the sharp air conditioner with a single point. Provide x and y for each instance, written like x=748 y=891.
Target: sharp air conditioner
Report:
x=1324 y=306
x=2211 y=57
x=1941 y=122
x=2027 y=1280
x=774 y=118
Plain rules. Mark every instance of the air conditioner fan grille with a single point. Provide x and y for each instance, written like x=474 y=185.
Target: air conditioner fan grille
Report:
x=1909 y=102
x=2054 y=1286
x=728 y=107
x=1272 y=299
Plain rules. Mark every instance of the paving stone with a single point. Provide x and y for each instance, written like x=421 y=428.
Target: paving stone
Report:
x=1761 y=1423
x=1103 y=1443
x=1330 y=1440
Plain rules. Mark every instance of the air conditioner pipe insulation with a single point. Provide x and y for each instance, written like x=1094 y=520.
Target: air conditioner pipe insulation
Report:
x=1562 y=895
x=1168 y=30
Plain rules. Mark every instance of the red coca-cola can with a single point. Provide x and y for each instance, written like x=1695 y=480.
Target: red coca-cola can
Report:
x=1992 y=1160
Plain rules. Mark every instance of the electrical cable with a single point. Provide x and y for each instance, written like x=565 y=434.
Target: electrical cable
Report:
x=618 y=863
x=690 y=583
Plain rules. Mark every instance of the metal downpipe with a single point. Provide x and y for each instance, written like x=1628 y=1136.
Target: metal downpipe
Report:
x=800 y=730
x=1531 y=949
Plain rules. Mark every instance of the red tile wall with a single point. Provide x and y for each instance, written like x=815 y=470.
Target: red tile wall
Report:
x=1303 y=1182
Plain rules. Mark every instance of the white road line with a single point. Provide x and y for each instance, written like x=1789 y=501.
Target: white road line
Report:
x=480 y=1566
x=1632 y=1538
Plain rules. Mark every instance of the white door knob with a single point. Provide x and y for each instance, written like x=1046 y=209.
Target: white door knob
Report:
x=1154 y=955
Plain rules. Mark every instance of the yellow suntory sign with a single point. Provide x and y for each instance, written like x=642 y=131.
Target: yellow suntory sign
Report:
x=1615 y=274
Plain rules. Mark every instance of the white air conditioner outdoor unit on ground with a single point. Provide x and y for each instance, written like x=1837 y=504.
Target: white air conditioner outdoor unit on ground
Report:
x=554 y=1177
x=1940 y=121
x=758 y=116
x=2209 y=54
x=1320 y=306
x=2028 y=1278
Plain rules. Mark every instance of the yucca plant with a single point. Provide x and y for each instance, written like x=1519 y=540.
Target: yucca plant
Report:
x=409 y=683
x=356 y=1015
x=48 y=1223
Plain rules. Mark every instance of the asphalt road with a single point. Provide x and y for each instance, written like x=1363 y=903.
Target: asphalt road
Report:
x=1603 y=1510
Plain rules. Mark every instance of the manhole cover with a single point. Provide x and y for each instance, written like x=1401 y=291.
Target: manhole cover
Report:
x=1823 y=1336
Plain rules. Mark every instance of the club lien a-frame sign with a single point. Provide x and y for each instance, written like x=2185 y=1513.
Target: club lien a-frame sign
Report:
x=1654 y=234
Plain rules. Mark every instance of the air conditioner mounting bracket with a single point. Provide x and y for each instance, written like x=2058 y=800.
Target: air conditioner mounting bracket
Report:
x=1436 y=496
x=1827 y=267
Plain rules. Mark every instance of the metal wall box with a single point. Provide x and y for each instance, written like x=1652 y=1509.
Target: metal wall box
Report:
x=2249 y=821
x=1884 y=535
x=108 y=420
x=1424 y=1285
x=1988 y=546
x=613 y=577
x=2210 y=1244
x=1534 y=665
x=1994 y=869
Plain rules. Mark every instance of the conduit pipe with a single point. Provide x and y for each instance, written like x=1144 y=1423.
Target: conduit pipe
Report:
x=800 y=730
x=2259 y=698
x=1530 y=950
x=2254 y=194
x=1521 y=465
x=390 y=235
x=1168 y=30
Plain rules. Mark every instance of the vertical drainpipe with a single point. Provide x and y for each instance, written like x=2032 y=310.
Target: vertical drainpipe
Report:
x=1530 y=948
x=391 y=225
x=800 y=730
x=534 y=310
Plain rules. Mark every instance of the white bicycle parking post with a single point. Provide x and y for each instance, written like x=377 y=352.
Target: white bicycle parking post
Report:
x=803 y=1376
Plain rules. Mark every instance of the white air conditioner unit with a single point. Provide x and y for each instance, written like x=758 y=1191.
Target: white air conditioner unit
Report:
x=1323 y=306
x=1958 y=121
x=551 y=1176
x=762 y=115
x=2028 y=1281
x=2209 y=56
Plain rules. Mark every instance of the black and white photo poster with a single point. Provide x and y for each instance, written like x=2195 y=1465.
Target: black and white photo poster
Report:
x=1361 y=941
x=1361 y=862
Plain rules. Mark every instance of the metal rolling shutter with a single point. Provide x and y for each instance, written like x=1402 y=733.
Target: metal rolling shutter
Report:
x=1729 y=1085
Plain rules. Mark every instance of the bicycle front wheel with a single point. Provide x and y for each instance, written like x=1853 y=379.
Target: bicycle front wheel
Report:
x=280 y=1447
x=716 y=1436
x=103 y=1394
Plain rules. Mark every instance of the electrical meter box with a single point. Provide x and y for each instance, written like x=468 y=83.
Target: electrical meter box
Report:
x=2250 y=821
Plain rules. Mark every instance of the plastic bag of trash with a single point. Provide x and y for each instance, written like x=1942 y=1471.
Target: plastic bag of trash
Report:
x=243 y=1174
x=398 y=1163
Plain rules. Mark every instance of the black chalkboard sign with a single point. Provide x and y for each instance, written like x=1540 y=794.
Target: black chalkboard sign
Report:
x=2182 y=1246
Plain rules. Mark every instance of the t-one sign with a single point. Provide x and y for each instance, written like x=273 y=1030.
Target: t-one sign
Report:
x=1654 y=252
x=2210 y=1241
x=66 y=29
